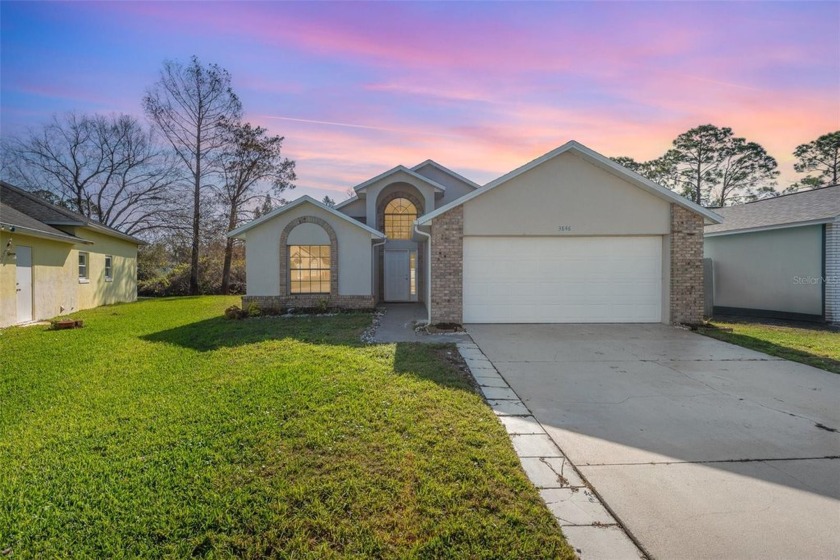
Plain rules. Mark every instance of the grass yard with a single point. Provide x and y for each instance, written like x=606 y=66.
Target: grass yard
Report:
x=163 y=430
x=815 y=346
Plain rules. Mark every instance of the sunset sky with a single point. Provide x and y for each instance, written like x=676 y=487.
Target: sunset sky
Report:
x=357 y=88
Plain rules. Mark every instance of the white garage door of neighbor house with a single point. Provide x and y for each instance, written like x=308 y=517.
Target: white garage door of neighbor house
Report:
x=563 y=279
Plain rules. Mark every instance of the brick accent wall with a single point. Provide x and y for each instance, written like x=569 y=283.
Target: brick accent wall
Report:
x=832 y=272
x=686 y=266
x=448 y=267
x=279 y=304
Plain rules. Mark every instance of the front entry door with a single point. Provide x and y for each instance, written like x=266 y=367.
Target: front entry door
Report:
x=397 y=274
x=23 y=279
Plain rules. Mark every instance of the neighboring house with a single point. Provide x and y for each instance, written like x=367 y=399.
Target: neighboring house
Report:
x=779 y=257
x=569 y=237
x=54 y=261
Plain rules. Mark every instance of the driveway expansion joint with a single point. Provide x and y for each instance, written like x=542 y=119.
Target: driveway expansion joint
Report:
x=585 y=521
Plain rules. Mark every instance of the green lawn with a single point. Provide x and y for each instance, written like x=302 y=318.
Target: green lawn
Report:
x=162 y=430
x=815 y=346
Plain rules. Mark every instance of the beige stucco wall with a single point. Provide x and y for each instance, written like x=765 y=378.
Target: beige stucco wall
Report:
x=7 y=283
x=53 y=279
x=97 y=291
x=760 y=270
x=567 y=191
x=56 y=289
x=262 y=252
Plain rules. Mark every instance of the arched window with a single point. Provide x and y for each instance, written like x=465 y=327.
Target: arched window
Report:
x=400 y=214
x=310 y=249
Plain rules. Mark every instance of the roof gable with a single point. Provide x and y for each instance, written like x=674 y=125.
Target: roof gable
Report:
x=592 y=157
x=305 y=199
x=394 y=171
x=445 y=170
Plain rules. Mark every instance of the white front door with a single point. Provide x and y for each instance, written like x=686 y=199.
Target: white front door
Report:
x=397 y=275
x=23 y=264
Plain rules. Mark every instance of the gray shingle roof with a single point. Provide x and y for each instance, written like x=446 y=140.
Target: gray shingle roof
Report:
x=11 y=217
x=30 y=205
x=801 y=207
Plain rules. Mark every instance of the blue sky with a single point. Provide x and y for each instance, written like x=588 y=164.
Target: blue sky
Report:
x=357 y=88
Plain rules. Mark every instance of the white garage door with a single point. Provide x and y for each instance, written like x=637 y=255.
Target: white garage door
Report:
x=563 y=279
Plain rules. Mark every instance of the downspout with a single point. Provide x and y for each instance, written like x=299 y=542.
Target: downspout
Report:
x=428 y=236
x=373 y=276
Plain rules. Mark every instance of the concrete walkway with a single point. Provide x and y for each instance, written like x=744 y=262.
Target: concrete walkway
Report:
x=587 y=525
x=398 y=322
x=699 y=448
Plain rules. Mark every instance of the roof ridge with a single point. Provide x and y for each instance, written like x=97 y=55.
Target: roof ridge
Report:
x=783 y=195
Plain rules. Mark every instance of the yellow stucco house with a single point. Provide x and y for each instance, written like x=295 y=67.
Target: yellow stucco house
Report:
x=54 y=261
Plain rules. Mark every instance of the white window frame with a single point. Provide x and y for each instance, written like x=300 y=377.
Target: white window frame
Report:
x=84 y=278
x=109 y=268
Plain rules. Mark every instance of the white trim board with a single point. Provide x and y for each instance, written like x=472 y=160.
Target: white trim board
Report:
x=294 y=204
x=397 y=169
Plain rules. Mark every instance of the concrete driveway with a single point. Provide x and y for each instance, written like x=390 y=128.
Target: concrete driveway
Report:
x=701 y=449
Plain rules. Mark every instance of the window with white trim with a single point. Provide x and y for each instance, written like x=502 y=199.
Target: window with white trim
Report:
x=309 y=269
x=109 y=260
x=84 y=258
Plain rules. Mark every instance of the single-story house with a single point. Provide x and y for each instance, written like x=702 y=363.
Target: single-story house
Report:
x=54 y=261
x=569 y=237
x=778 y=257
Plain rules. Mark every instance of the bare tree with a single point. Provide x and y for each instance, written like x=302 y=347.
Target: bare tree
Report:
x=251 y=158
x=265 y=207
x=192 y=105
x=108 y=168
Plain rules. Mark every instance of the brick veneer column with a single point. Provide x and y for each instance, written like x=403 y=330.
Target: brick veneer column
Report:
x=686 y=266
x=832 y=272
x=448 y=267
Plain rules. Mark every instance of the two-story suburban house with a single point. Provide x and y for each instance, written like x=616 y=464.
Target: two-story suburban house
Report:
x=568 y=237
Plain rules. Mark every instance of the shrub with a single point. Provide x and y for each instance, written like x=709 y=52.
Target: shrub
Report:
x=234 y=312
x=323 y=305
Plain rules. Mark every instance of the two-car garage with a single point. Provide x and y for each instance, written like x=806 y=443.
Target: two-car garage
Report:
x=563 y=279
x=571 y=237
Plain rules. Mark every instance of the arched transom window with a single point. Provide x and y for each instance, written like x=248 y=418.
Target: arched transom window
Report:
x=400 y=214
